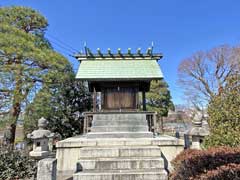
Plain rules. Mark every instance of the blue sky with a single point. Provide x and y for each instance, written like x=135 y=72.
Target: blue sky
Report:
x=178 y=28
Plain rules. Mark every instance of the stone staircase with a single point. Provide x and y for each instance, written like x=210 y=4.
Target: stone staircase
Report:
x=129 y=161
x=121 y=163
x=119 y=125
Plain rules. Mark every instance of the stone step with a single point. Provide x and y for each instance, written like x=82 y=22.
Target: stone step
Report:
x=119 y=119
x=120 y=151
x=119 y=122
x=114 y=117
x=122 y=175
x=121 y=163
x=95 y=135
x=118 y=128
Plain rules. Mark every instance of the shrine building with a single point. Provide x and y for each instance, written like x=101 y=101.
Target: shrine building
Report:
x=120 y=139
x=119 y=77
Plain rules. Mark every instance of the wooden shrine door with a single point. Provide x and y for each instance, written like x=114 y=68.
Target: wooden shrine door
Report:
x=120 y=98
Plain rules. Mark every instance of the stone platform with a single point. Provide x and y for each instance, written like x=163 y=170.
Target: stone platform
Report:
x=147 y=157
x=120 y=125
x=119 y=147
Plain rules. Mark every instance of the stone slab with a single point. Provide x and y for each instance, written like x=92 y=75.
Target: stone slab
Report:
x=121 y=151
x=100 y=135
x=119 y=122
x=121 y=116
x=123 y=175
x=47 y=169
x=68 y=150
x=82 y=141
x=121 y=163
x=119 y=128
x=39 y=154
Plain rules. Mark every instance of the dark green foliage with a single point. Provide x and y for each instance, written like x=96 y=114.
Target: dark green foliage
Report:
x=23 y=18
x=27 y=61
x=15 y=165
x=211 y=163
x=159 y=98
x=224 y=116
x=62 y=105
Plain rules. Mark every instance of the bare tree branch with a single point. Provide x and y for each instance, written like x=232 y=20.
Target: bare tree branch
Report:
x=205 y=73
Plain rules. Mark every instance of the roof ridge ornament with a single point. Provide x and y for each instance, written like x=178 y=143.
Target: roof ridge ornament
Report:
x=149 y=51
x=119 y=55
x=129 y=51
x=109 y=51
x=119 y=51
x=139 y=51
x=99 y=51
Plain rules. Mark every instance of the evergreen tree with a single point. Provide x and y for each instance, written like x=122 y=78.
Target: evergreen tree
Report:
x=62 y=105
x=224 y=115
x=27 y=60
x=159 y=99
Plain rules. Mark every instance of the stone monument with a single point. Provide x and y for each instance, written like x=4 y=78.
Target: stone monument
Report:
x=40 y=138
x=198 y=132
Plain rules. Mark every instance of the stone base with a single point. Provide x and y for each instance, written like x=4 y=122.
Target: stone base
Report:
x=123 y=175
x=97 y=135
x=119 y=147
x=47 y=169
x=39 y=154
x=146 y=156
x=119 y=125
x=125 y=163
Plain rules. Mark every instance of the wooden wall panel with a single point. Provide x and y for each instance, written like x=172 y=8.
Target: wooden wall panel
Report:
x=120 y=98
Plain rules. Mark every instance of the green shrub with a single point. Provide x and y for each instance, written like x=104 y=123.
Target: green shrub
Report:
x=16 y=165
x=224 y=116
x=193 y=164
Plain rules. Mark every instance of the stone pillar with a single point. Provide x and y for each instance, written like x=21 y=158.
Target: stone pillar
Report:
x=47 y=169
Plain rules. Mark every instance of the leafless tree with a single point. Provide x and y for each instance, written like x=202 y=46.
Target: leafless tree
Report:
x=204 y=74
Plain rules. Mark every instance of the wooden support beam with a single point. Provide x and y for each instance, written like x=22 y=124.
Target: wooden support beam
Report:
x=155 y=125
x=144 y=100
x=94 y=100
x=85 y=124
x=137 y=100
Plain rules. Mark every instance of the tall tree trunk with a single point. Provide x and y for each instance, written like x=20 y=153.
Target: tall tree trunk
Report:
x=14 y=117
x=17 y=98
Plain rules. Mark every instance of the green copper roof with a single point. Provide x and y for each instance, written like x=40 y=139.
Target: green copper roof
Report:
x=99 y=70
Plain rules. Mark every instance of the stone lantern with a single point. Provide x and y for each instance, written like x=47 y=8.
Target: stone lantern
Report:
x=40 y=140
x=197 y=132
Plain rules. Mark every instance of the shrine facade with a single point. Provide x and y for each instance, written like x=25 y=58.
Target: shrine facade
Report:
x=119 y=78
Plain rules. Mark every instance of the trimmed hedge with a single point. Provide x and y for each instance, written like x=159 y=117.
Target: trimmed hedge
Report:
x=193 y=164
x=230 y=171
